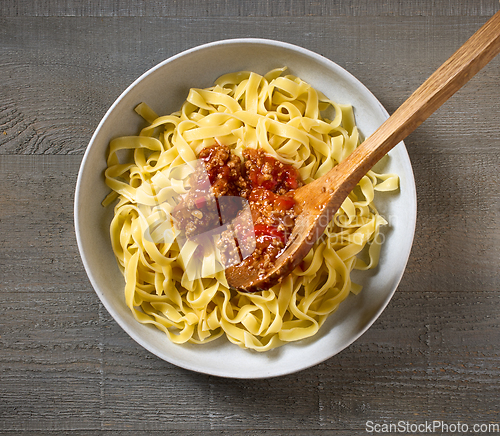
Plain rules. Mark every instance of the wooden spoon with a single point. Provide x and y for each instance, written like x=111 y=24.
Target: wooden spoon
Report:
x=318 y=201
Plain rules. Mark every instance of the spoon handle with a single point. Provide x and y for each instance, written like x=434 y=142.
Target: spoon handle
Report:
x=477 y=51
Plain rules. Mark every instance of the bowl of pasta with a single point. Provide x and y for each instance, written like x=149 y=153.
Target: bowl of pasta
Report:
x=218 y=132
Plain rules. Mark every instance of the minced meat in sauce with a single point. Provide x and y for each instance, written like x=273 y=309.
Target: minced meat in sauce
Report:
x=265 y=182
x=199 y=212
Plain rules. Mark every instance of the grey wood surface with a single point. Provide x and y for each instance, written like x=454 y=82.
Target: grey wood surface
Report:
x=67 y=367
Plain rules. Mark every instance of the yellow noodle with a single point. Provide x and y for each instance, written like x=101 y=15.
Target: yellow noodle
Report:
x=282 y=115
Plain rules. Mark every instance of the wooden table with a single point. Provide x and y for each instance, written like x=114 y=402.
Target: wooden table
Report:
x=66 y=365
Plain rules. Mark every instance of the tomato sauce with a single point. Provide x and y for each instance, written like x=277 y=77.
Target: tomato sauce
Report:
x=265 y=182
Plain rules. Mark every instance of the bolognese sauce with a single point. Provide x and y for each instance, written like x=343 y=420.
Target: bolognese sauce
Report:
x=264 y=182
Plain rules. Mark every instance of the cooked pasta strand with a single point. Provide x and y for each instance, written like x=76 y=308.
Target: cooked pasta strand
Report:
x=282 y=115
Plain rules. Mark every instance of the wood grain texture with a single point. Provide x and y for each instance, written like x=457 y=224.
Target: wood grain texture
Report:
x=59 y=78
x=242 y=8
x=67 y=367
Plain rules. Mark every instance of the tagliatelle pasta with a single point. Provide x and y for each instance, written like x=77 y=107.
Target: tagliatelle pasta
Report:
x=188 y=298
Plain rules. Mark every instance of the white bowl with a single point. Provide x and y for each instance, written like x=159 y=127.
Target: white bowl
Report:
x=164 y=88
